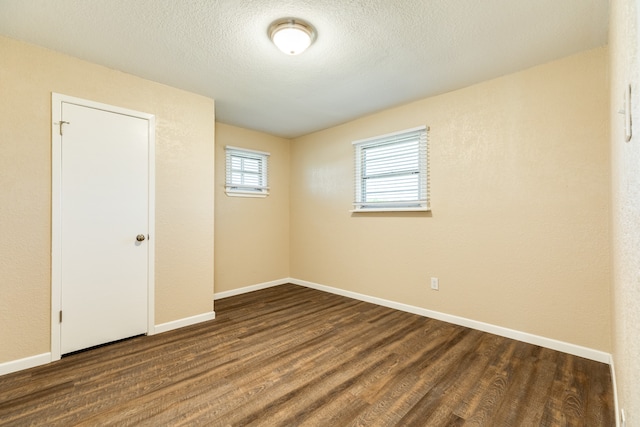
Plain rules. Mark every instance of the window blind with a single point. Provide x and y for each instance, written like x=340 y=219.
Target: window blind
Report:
x=246 y=172
x=391 y=172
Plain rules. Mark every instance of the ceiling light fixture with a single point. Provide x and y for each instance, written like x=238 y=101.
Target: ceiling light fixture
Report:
x=292 y=35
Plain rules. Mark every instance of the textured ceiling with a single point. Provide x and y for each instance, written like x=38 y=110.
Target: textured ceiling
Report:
x=369 y=54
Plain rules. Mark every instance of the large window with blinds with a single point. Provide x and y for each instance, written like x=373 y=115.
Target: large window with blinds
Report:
x=391 y=172
x=246 y=172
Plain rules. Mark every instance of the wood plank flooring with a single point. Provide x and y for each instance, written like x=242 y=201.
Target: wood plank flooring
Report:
x=292 y=356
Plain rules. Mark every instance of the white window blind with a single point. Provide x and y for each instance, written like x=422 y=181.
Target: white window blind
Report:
x=246 y=172
x=391 y=172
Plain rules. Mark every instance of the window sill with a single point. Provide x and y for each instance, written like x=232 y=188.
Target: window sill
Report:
x=390 y=210
x=246 y=194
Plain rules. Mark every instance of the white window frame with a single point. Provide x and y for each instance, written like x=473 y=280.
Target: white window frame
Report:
x=240 y=189
x=420 y=202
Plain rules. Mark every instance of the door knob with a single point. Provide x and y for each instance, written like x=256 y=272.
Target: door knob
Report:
x=140 y=237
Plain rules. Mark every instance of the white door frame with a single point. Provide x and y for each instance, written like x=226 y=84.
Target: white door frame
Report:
x=56 y=212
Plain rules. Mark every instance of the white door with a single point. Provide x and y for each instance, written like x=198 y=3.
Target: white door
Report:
x=104 y=217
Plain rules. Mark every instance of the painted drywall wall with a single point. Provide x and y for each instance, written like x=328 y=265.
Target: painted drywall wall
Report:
x=519 y=229
x=184 y=188
x=251 y=234
x=625 y=158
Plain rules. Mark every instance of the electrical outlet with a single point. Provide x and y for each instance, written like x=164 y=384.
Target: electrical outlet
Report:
x=434 y=284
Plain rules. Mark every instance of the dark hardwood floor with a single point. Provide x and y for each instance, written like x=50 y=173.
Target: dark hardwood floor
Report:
x=290 y=356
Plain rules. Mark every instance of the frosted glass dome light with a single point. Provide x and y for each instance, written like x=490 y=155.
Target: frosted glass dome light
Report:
x=292 y=36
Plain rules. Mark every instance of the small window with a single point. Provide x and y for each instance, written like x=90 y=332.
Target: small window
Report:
x=391 y=172
x=247 y=172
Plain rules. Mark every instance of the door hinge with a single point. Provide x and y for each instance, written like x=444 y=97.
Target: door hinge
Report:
x=60 y=316
x=60 y=123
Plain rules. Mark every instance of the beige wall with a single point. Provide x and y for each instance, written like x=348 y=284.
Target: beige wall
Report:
x=519 y=175
x=251 y=234
x=184 y=188
x=518 y=234
x=623 y=41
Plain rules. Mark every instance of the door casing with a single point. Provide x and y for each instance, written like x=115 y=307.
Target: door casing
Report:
x=56 y=212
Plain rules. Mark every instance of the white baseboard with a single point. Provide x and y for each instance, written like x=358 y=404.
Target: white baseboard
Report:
x=187 y=321
x=246 y=289
x=576 y=350
x=587 y=353
x=26 y=363
x=43 y=359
